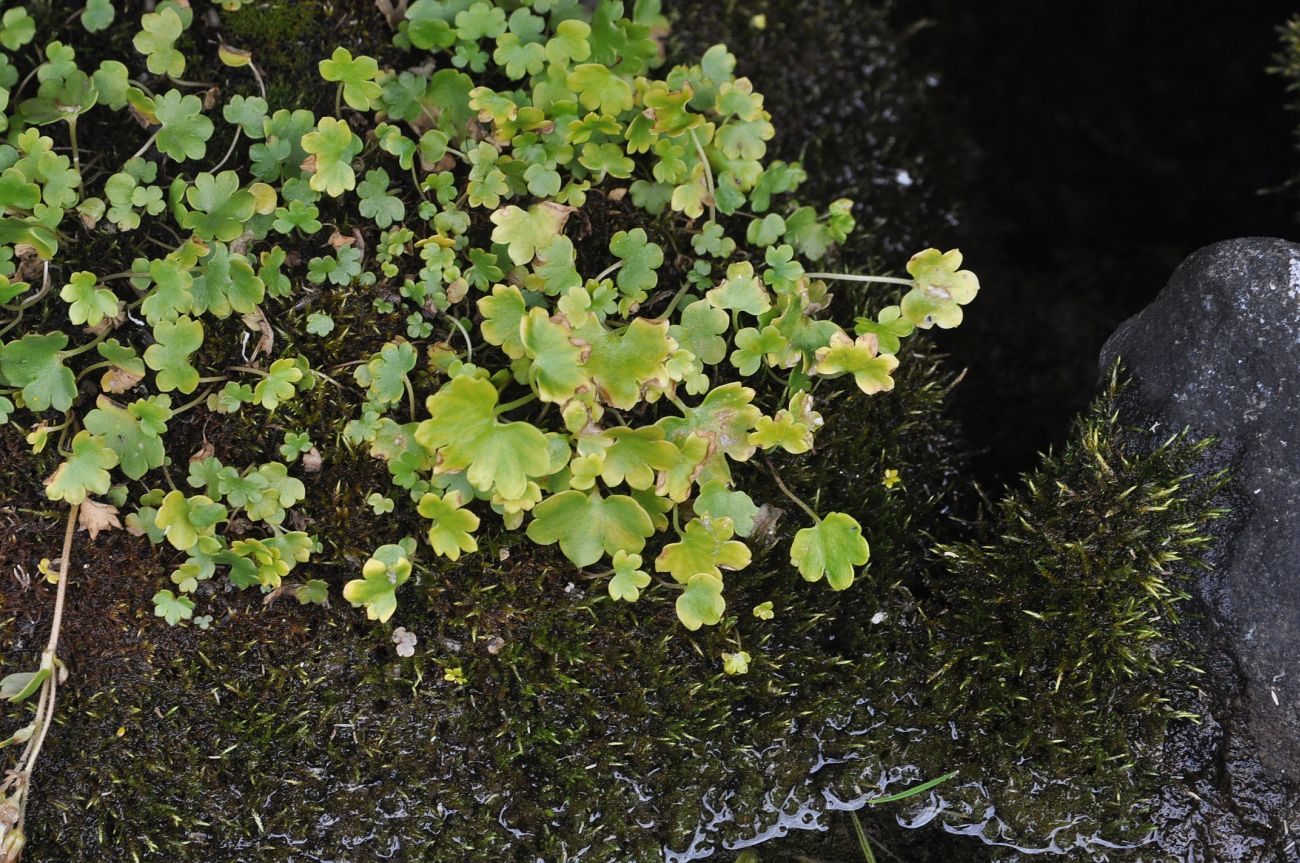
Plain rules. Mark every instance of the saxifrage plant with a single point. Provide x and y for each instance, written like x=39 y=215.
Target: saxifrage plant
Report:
x=598 y=398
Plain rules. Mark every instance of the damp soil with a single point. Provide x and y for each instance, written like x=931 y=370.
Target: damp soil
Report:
x=867 y=100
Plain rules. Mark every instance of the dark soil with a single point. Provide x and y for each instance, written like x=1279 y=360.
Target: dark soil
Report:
x=1099 y=144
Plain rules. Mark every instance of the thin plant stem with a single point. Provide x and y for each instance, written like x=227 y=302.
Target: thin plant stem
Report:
x=88 y=346
x=261 y=85
x=708 y=176
x=677 y=298
x=609 y=271
x=18 y=319
x=419 y=186
x=145 y=146
x=785 y=489
x=50 y=655
x=51 y=686
x=865 y=845
x=60 y=427
x=65 y=565
x=76 y=153
x=327 y=378
x=348 y=364
x=93 y=368
x=46 y=284
x=850 y=277
x=202 y=397
x=64 y=434
x=230 y=151
x=41 y=702
x=181 y=82
x=517 y=403
x=469 y=343
x=13 y=100
x=410 y=395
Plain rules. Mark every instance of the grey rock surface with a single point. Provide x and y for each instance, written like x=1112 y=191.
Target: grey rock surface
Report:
x=1219 y=352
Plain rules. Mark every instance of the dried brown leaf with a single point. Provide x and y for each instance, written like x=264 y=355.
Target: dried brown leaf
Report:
x=95 y=516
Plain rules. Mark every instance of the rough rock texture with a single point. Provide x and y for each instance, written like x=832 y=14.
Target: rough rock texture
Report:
x=1219 y=351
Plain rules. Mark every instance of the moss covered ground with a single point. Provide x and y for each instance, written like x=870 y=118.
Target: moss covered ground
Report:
x=592 y=730
x=585 y=726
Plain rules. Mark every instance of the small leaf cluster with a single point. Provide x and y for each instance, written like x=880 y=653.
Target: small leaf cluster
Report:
x=604 y=395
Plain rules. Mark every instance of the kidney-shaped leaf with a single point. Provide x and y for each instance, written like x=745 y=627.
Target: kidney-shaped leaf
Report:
x=831 y=548
x=589 y=526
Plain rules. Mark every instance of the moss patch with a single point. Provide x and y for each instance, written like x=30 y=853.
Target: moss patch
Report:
x=306 y=718
x=583 y=726
x=1077 y=590
x=288 y=39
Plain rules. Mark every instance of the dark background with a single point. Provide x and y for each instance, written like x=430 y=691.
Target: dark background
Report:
x=1104 y=143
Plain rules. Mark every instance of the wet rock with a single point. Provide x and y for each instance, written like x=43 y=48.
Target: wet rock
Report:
x=1219 y=352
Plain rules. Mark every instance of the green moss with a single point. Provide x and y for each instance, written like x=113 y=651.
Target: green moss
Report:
x=1076 y=591
x=1287 y=64
x=281 y=33
x=306 y=717
x=584 y=723
x=591 y=718
x=288 y=38
x=1057 y=630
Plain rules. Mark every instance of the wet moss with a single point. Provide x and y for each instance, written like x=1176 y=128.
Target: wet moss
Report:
x=592 y=725
x=1075 y=591
x=328 y=727
x=1058 y=631
x=586 y=728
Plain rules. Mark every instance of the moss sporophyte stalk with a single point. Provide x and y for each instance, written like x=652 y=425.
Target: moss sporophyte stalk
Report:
x=594 y=386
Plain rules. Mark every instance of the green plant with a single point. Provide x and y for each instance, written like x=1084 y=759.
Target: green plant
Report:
x=604 y=392
x=1287 y=65
x=864 y=844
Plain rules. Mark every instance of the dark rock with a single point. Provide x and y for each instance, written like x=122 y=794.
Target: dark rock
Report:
x=1219 y=352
